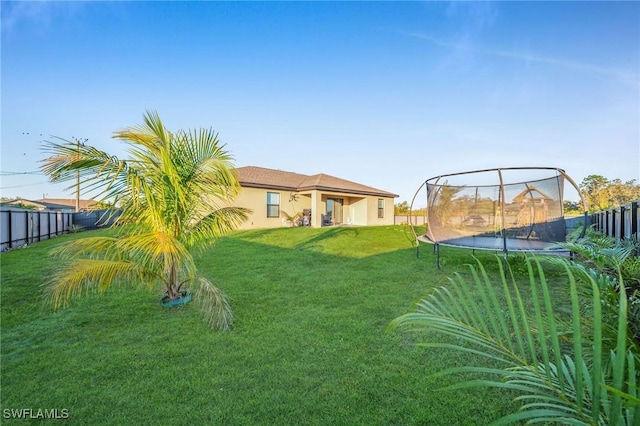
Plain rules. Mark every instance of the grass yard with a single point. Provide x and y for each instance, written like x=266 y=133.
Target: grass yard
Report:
x=309 y=345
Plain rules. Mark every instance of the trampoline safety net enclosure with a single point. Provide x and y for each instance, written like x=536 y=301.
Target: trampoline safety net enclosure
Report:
x=507 y=209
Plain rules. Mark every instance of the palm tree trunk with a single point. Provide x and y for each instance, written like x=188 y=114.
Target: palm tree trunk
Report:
x=172 y=284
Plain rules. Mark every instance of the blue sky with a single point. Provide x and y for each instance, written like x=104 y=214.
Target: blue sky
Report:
x=386 y=94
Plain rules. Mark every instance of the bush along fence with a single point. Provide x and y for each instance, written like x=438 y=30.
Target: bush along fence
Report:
x=19 y=227
x=620 y=222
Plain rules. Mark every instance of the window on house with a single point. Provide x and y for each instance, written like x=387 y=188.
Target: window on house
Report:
x=273 y=204
x=380 y=208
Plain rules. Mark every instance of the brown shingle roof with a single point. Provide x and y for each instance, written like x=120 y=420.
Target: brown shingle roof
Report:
x=259 y=177
x=269 y=178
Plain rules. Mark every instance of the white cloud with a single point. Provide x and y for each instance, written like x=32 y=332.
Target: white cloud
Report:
x=39 y=14
x=625 y=76
x=477 y=14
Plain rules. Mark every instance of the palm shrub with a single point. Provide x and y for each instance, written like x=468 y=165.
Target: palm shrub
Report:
x=580 y=383
x=173 y=193
x=603 y=253
x=613 y=263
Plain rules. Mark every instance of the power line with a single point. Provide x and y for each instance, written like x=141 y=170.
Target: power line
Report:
x=22 y=186
x=6 y=173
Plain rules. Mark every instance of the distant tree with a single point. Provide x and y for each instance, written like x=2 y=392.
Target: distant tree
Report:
x=445 y=202
x=21 y=205
x=572 y=207
x=103 y=205
x=623 y=192
x=27 y=206
x=601 y=193
x=402 y=208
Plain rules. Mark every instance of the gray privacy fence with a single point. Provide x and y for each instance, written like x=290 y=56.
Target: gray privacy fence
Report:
x=575 y=223
x=94 y=219
x=621 y=222
x=19 y=227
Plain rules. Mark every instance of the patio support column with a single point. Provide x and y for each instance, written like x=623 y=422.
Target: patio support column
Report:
x=316 y=221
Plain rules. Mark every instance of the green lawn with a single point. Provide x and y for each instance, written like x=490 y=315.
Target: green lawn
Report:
x=309 y=346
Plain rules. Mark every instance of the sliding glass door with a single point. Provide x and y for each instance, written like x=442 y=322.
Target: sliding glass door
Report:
x=334 y=209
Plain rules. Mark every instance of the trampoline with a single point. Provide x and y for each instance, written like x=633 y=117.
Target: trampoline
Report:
x=515 y=209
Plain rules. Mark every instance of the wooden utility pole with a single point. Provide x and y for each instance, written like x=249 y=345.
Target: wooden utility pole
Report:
x=78 y=142
x=78 y=180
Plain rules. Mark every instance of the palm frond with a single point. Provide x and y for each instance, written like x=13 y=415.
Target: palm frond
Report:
x=82 y=276
x=91 y=247
x=98 y=171
x=158 y=251
x=146 y=139
x=216 y=224
x=555 y=383
x=215 y=305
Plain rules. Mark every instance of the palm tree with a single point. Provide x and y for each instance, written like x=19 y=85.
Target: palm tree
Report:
x=581 y=383
x=174 y=194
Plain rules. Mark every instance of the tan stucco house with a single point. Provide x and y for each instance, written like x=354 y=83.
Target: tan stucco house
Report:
x=274 y=196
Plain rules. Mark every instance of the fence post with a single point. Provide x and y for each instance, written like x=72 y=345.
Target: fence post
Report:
x=619 y=222
x=615 y=223
x=31 y=234
x=39 y=226
x=10 y=229
x=26 y=227
x=621 y=227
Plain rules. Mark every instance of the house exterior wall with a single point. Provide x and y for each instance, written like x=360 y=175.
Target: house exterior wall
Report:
x=372 y=211
x=356 y=209
x=256 y=200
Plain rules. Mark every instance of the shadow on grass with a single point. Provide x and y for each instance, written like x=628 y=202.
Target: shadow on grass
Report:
x=310 y=344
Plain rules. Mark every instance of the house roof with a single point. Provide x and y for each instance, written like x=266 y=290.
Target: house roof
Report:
x=51 y=203
x=69 y=202
x=41 y=205
x=260 y=177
